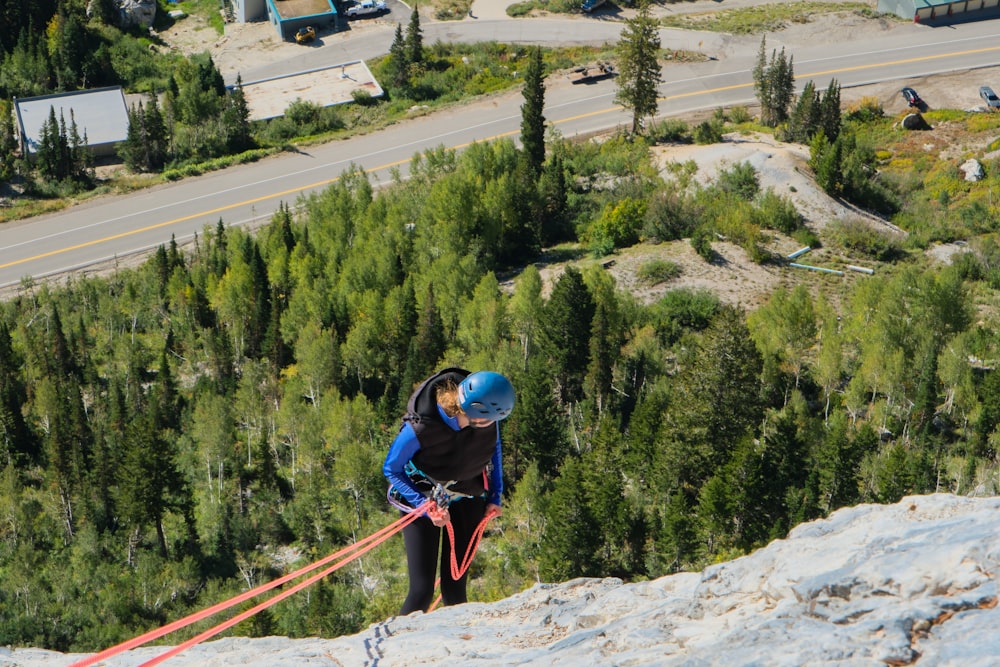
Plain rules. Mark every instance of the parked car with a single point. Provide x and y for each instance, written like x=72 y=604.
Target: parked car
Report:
x=305 y=35
x=911 y=97
x=367 y=7
x=991 y=99
x=591 y=73
x=590 y=5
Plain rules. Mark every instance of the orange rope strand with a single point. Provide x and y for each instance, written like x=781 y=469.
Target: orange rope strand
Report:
x=363 y=545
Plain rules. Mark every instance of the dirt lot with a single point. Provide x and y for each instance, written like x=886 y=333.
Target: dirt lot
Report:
x=246 y=42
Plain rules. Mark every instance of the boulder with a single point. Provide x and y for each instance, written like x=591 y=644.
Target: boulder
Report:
x=137 y=13
x=973 y=170
x=915 y=121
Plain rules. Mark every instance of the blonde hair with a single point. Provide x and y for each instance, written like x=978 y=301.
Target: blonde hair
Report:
x=446 y=394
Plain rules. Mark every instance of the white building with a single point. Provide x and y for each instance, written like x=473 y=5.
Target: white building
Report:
x=100 y=114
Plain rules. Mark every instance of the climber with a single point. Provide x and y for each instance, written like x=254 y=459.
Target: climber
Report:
x=448 y=448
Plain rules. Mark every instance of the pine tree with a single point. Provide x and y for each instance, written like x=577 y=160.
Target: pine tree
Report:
x=782 y=74
x=142 y=489
x=132 y=150
x=157 y=140
x=760 y=81
x=774 y=83
x=829 y=111
x=532 y=118
x=414 y=39
x=102 y=476
x=425 y=348
x=16 y=445
x=65 y=160
x=236 y=119
x=67 y=45
x=826 y=160
x=210 y=78
x=805 y=118
x=717 y=401
x=571 y=535
x=48 y=154
x=80 y=158
x=838 y=461
x=985 y=427
x=398 y=62
x=604 y=485
x=605 y=346
x=8 y=141
x=260 y=293
x=564 y=333
x=62 y=153
x=536 y=433
x=639 y=68
x=554 y=193
x=677 y=538
x=784 y=470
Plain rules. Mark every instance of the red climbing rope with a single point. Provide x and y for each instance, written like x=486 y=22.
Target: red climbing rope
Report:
x=477 y=535
x=340 y=558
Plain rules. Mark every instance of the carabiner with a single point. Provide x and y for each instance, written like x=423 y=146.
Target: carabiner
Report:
x=441 y=496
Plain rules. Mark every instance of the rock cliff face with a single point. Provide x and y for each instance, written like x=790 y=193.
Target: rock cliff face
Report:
x=914 y=583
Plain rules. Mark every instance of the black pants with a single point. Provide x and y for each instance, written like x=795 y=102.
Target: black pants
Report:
x=425 y=549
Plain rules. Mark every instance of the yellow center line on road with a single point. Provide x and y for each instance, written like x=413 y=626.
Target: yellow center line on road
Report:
x=167 y=223
x=330 y=181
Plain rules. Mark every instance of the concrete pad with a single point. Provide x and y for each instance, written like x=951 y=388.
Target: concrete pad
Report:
x=268 y=98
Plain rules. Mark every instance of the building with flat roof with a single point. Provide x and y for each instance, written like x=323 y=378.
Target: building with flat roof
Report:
x=940 y=10
x=290 y=15
x=101 y=115
x=247 y=11
x=287 y=16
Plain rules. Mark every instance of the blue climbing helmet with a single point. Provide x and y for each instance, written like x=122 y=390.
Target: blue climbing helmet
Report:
x=486 y=395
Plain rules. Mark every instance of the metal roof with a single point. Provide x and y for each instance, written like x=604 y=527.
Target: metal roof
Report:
x=101 y=114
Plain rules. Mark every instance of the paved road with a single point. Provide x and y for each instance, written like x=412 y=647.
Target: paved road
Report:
x=114 y=228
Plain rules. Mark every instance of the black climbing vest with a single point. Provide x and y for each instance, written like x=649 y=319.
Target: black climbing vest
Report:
x=453 y=458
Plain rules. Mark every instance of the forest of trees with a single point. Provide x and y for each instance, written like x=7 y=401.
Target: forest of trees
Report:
x=178 y=433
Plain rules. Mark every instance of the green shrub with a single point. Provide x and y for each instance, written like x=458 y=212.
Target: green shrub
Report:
x=669 y=216
x=619 y=224
x=776 y=212
x=520 y=9
x=858 y=236
x=657 y=271
x=755 y=251
x=739 y=180
x=362 y=97
x=683 y=309
x=701 y=241
x=866 y=110
x=669 y=130
x=600 y=246
x=739 y=115
x=806 y=237
x=708 y=132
